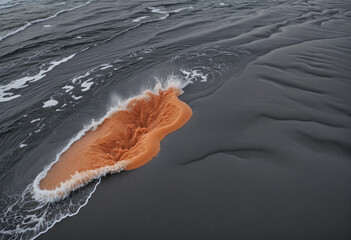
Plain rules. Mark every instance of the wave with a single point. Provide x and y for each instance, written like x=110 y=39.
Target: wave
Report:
x=159 y=11
x=50 y=103
x=182 y=9
x=22 y=82
x=20 y=29
x=4 y=6
x=140 y=18
x=119 y=141
x=26 y=218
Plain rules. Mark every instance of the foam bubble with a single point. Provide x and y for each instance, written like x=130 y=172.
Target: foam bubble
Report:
x=26 y=218
x=6 y=5
x=79 y=77
x=50 y=103
x=76 y=181
x=76 y=97
x=34 y=211
x=41 y=128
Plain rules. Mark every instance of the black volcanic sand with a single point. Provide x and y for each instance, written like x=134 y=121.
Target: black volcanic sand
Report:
x=265 y=156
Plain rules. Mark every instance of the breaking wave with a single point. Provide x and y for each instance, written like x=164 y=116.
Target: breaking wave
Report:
x=126 y=138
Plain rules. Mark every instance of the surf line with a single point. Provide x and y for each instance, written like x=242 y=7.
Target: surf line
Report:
x=123 y=140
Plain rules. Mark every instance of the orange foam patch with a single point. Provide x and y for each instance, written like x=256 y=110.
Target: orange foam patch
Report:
x=131 y=135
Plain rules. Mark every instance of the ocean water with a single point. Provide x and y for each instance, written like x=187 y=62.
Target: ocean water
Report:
x=65 y=64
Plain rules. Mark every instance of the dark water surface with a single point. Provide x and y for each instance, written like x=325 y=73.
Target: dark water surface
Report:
x=266 y=154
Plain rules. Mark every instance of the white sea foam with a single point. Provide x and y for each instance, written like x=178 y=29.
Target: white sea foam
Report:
x=80 y=179
x=140 y=18
x=86 y=85
x=22 y=145
x=39 y=130
x=5 y=95
x=105 y=66
x=35 y=120
x=47 y=26
x=67 y=88
x=160 y=11
x=26 y=218
x=182 y=9
x=76 y=97
x=50 y=103
x=157 y=10
x=41 y=20
x=78 y=78
x=194 y=75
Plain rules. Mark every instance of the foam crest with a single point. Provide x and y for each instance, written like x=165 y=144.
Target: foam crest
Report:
x=140 y=18
x=78 y=180
x=182 y=9
x=159 y=11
